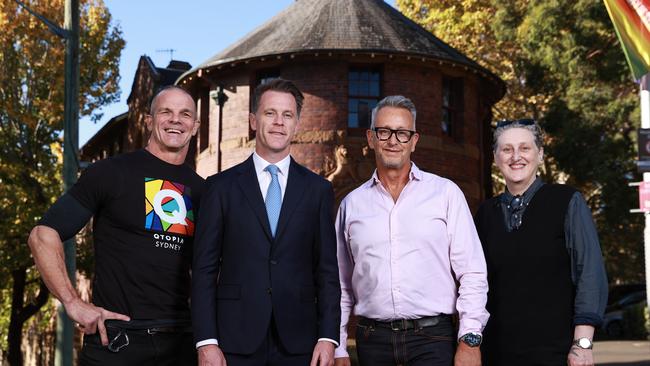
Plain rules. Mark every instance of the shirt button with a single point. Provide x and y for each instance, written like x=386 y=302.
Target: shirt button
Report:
x=274 y=262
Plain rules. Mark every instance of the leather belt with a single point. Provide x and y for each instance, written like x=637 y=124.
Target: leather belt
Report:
x=154 y=330
x=169 y=330
x=405 y=324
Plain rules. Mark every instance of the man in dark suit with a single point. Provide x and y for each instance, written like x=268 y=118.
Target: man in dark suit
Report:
x=265 y=286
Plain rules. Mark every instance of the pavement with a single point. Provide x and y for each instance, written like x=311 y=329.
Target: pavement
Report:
x=622 y=353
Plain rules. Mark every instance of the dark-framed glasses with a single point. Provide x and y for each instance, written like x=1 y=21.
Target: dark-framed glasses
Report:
x=523 y=122
x=384 y=134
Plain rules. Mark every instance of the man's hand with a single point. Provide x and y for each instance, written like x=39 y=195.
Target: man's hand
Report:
x=211 y=355
x=580 y=357
x=467 y=356
x=323 y=354
x=342 y=361
x=91 y=318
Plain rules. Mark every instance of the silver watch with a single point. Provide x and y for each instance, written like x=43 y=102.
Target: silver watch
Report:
x=584 y=343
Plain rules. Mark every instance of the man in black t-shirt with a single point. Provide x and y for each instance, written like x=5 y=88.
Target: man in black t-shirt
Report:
x=144 y=206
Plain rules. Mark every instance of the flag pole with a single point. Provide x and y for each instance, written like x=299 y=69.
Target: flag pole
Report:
x=645 y=123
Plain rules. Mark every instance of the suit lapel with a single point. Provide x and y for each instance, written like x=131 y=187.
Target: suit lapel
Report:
x=296 y=183
x=250 y=186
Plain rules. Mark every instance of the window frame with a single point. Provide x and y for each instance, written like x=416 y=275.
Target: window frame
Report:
x=456 y=107
x=371 y=68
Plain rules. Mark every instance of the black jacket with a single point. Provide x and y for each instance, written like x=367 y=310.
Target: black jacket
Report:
x=242 y=276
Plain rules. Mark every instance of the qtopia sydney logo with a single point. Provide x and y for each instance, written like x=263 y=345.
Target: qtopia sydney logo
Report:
x=168 y=212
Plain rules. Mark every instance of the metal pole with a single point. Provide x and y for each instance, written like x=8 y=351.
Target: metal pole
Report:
x=645 y=123
x=65 y=328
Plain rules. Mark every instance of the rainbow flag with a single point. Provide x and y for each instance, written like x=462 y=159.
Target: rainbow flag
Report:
x=631 y=20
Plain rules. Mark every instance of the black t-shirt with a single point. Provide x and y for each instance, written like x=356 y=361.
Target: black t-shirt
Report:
x=144 y=218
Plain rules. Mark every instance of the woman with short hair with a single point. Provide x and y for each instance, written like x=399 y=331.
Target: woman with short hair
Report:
x=548 y=287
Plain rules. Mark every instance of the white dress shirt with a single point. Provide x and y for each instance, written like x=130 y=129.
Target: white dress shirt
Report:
x=264 y=177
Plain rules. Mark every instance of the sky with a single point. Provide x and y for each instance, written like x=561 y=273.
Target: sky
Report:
x=194 y=29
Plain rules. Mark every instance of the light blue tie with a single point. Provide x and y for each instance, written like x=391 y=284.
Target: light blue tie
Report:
x=273 y=198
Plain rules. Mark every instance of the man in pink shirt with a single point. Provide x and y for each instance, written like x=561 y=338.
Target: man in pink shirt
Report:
x=409 y=257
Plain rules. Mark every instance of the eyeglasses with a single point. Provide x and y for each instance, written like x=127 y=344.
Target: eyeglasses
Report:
x=523 y=122
x=384 y=134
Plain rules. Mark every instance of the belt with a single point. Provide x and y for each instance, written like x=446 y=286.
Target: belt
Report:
x=154 y=330
x=169 y=330
x=405 y=324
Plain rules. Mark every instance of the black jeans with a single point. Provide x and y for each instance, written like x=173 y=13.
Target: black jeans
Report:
x=430 y=346
x=143 y=349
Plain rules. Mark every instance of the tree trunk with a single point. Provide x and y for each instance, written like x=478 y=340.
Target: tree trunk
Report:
x=20 y=314
x=15 y=336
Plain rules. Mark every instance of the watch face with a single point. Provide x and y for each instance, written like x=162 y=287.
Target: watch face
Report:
x=472 y=339
x=584 y=343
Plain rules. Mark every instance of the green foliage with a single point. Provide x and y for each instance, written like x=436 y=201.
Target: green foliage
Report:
x=563 y=66
x=5 y=313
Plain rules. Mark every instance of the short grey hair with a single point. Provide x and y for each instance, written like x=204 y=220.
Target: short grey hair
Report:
x=538 y=133
x=396 y=101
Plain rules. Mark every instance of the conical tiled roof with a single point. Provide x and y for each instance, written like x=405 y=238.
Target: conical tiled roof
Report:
x=339 y=25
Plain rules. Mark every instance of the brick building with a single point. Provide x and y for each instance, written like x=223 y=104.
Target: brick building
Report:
x=345 y=56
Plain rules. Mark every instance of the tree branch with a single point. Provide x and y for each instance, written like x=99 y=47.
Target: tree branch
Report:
x=32 y=308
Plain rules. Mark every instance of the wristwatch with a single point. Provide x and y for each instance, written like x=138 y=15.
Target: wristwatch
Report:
x=584 y=343
x=472 y=339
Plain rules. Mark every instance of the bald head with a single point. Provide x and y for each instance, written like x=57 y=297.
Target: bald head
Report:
x=154 y=101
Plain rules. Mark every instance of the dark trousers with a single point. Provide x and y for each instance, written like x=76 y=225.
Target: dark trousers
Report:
x=143 y=349
x=380 y=345
x=270 y=353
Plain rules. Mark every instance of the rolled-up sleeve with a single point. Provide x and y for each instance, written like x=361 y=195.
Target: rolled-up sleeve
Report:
x=587 y=267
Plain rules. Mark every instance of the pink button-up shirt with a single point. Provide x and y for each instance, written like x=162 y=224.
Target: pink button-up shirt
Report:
x=402 y=260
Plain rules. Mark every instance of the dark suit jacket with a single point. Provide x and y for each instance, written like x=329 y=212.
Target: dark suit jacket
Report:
x=241 y=276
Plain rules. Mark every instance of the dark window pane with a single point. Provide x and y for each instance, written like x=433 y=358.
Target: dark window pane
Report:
x=375 y=77
x=364 y=89
x=446 y=98
x=354 y=88
x=352 y=105
x=365 y=76
x=364 y=114
x=353 y=120
x=446 y=121
x=374 y=89
x=452 y=107
x=354 y=75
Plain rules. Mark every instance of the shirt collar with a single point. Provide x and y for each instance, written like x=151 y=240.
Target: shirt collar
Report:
x=261 y=164
x=506 y=197
x=414 y=174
